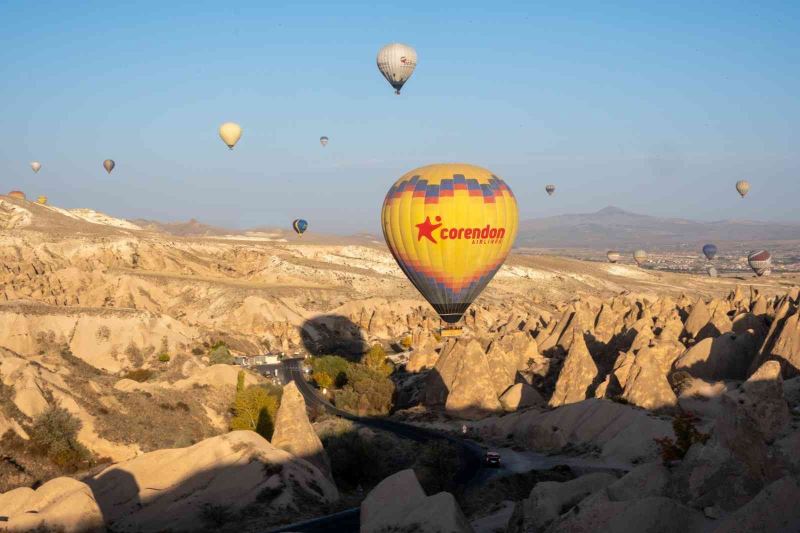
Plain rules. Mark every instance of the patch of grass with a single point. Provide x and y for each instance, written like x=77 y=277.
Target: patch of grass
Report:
x=140 y=374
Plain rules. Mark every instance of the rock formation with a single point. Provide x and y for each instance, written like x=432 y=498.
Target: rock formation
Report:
x=398 y=503
x=295 y=434
x=576 y=376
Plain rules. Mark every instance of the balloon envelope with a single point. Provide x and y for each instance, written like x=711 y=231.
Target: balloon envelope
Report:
x=710 y=250
x=450 y=228
x=760 y=262
x=35 y=165
x=323 y=141
x=397 y=62
x=230 y=133
x=42 y=200
x=550 y=189
x=640 y=256
x=300 y=226
x=109 y=165
x=742 y=187
x=613 y=256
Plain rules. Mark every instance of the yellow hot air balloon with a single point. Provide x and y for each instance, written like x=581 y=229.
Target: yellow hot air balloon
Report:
x=230 y=133
x=42 y=200
x=450 y=228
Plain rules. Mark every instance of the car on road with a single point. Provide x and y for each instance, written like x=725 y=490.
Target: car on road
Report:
x=492 y=459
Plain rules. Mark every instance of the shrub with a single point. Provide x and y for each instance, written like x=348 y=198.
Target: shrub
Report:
x=436 y=465
x=140 y=374
x=255 y=409
x=164 y=358
x=54 y=434
x=240 y=381
x=366 y=460
x=134 y=354
x=368 y=392
x=197 y=350
x=215 y=515
x=220 y=355
x=375 y=359
x=686 y=434
x=334 y=366
x=323 y=380
x=406 y=342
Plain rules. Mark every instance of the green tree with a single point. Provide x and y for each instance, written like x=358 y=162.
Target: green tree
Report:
x=323 y=379
x=436 y=465
x=240 y=381
x=220 y=355
x=333 y=365
x=375 y=359
x=255 y=409
x=368 y=392
x=164 y=358
x=54 y=433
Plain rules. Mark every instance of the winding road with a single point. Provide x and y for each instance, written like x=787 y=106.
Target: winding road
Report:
x=470 y=454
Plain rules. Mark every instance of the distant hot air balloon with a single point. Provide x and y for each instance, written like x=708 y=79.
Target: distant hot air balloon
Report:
x=323 y=141
x=109 y=165
x=712 y=271
x=36 y=166
x=710 y=250
x=550 y=189
x=19 y=195
x=450 y=228
x=230 y=133
x=613 y=256
x=742 y=187
x=640 y=256
x=760 y=262
x=42 y=200
x=300 y=226
x=397 y=63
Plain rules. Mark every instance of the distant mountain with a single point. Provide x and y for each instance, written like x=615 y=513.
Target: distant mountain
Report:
x=191 y=228
x=612 y=227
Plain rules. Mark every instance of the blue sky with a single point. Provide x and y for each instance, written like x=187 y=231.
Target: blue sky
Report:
x=653 y=108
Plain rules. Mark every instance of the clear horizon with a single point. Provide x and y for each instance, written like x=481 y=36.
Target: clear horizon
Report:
x=658 y=110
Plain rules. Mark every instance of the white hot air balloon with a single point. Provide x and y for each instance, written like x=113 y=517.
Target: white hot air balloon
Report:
x=397 y=62
x=35 y=165
x=323 y=141
x=230 y=133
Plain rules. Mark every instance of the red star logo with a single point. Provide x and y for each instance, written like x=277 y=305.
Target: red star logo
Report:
x=426 y=229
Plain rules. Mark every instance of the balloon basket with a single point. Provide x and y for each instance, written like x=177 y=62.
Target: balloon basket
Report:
x=451 y=331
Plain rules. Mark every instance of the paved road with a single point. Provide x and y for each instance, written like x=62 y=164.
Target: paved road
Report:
x=470 y=454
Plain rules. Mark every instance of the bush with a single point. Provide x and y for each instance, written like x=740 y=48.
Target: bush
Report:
x=197 y=350
x=334 y=366
x=54 y=434
x=255 y=409
x=140 y=374
x=368 y=392
x=376 y=360
x=164 y=358
x=686 y=434
x=406 y=342
x=437 y=465
x=220 y=355
x=323 y=380
x=366 y=460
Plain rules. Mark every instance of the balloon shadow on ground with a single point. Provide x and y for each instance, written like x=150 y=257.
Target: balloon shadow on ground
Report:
x=333 y=335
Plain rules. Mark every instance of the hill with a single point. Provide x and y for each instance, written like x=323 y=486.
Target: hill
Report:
x=613 y=227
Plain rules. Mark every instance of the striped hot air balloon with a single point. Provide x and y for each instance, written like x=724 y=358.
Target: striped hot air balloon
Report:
x=299 y=226
x=640 y=256
x=613 y=256
x=397 y=62
x=550 y=189
x=760 y=262
x=450 y=228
